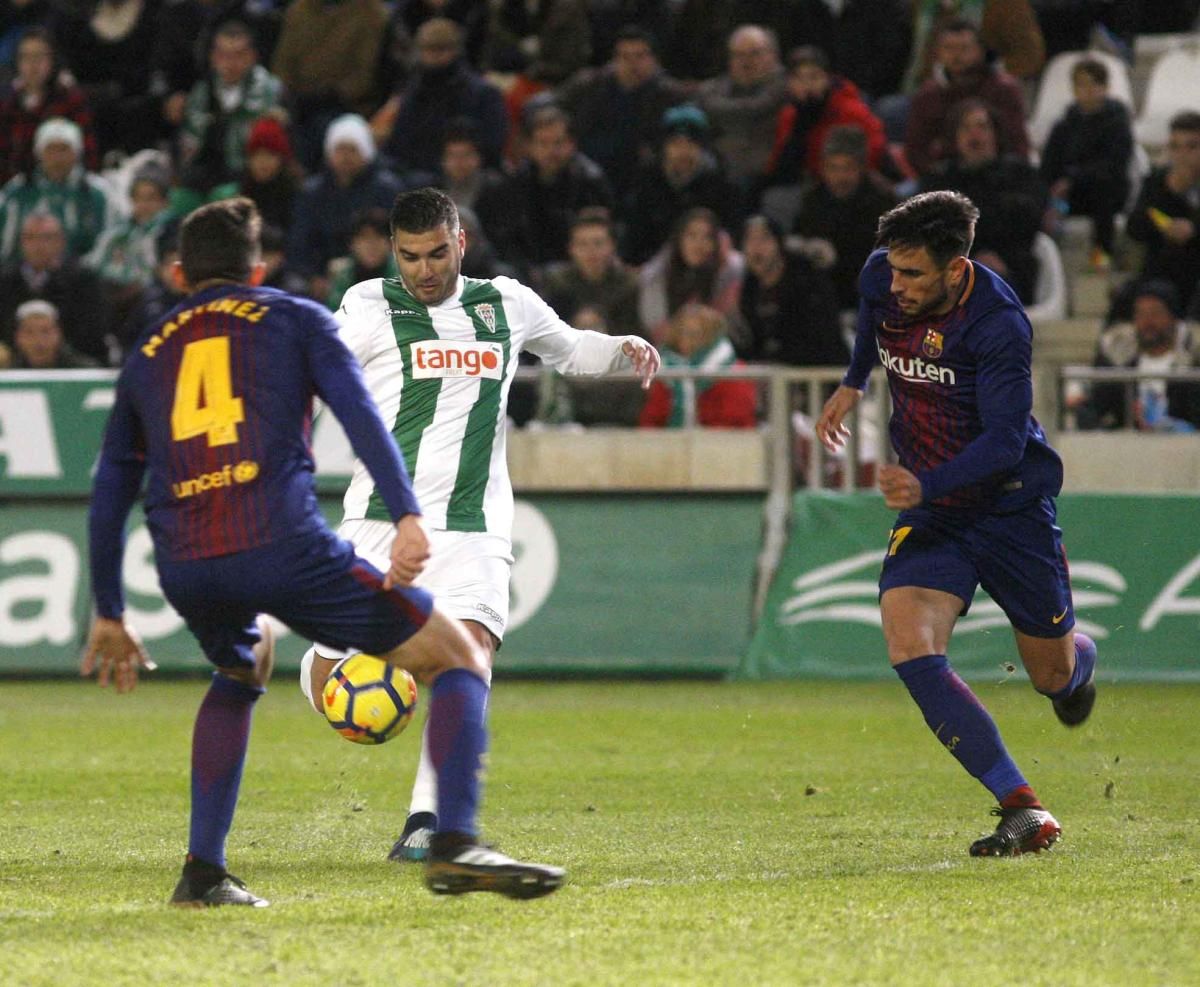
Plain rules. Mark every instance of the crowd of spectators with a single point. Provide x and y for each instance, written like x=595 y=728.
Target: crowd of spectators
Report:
x=706 y=173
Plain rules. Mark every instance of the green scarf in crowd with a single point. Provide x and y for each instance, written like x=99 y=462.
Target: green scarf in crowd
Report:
x=686 y=392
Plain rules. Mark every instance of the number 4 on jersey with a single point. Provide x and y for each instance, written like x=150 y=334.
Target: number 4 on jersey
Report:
x=204 y=401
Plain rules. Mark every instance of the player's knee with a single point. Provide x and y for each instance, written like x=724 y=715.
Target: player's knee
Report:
x=1049 y=679
x=469 y=654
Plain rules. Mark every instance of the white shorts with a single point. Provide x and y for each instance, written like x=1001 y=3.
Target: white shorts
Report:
x=468 y=572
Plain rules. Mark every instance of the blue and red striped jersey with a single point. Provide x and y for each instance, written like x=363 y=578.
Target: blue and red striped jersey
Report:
x=216 y=403
x=962 y=392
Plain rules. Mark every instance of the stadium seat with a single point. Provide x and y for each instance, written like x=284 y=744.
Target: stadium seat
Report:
x=1051 y=293
x=1055 y=94
x=1173 y=85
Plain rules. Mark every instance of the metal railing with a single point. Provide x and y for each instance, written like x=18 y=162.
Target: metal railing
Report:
x=1074 y=379
x=791 y=401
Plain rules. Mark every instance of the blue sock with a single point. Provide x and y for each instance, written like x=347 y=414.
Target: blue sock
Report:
x=958 y=719
x=458 y=739
x=219 y=743
x=1085 y=664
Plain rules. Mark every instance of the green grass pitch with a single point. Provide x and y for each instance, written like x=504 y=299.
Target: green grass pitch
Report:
x=775 y=833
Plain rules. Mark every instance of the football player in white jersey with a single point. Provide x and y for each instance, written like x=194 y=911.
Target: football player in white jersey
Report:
x=438 y=352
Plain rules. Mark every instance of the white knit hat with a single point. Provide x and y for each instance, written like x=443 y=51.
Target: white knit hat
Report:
x=350 y=128
x=36 y=306
x=60 y=130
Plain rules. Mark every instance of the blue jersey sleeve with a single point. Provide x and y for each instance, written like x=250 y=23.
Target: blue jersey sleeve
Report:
x=865 y=354
x=874 y=283
x=1002 y=345
x=340 y=385
x=115 y=488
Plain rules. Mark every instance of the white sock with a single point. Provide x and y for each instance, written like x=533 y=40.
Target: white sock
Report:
x=307 y=661
x=424 y=793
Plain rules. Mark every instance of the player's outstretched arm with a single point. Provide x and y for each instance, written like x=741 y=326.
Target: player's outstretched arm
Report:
x=116 y=648
x=831 y=427
x=644 y=357
x=410 y=552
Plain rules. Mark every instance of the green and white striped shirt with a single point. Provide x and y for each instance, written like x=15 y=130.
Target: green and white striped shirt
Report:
x=440 y=376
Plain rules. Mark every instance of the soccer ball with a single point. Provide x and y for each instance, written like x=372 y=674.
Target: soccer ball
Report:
x=369 y=701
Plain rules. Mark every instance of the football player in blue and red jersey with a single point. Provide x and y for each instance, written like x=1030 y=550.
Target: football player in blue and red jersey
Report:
x=975 y=488
x=214 y=409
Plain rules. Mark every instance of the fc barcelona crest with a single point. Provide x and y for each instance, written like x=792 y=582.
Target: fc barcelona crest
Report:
x=487 y=315
x=931 y=346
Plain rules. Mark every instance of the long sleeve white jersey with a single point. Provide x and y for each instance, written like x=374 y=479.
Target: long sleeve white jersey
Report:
x=440 y=375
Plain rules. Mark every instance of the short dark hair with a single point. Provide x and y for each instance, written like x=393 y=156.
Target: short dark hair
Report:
x=273 y=238
x=220 y=241
x=808 y=55
x=236 y=30
x=942 y=222
x=635 y=32
x=547 y=115
x=1185 y=120
x=593 y=216
x=1163 y=290
x=420 y=210
x=847 y=138
x=372 y=218
x=1092 y=67
x=461 y=130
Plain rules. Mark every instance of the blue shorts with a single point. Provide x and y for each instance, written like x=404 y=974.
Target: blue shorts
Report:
x=314 y=583
x=1017 y=558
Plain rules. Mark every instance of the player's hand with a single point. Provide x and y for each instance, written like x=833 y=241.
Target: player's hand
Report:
x=115 y=647
x=1180 y=231
x=901 y=489
x=831 y=429
x=410 y=552
x=645 y=359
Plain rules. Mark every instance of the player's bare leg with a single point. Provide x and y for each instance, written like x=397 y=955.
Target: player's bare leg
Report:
x=264 y=658
x=421 y=824
x=1062 y=668
x=917 y=624
x=447 y=657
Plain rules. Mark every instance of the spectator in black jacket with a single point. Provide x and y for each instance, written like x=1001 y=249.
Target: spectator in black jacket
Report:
x=1086 y=158
x=45 y=271
x=1012 y=199
x=1166 y=216
x=789 y=312
x=595 y=277
x=528 y=217
x=412 y=124
x=351 y=181
x=839 y=214
x=38 y=341
x=1155 y=339
x=687 y=174
x=618 y=109
x=464 y=177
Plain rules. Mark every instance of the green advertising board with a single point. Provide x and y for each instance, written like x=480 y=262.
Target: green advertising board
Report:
x=601 y=584
x=1135 y=574
x=52 y=421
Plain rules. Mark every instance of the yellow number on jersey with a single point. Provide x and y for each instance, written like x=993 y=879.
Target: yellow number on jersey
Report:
x=204 y=401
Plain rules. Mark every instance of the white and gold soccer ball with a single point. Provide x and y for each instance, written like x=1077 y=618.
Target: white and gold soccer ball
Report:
x=369 y=701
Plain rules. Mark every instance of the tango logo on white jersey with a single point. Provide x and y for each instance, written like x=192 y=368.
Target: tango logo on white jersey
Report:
x=454 y=358
x=914 y=369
